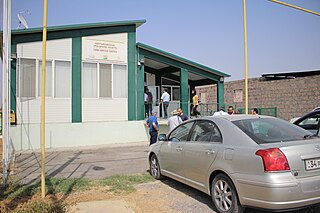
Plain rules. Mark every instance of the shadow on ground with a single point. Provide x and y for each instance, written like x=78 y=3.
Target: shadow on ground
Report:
x=206 y=199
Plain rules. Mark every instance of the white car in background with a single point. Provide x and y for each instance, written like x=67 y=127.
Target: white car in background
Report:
x=296 y=118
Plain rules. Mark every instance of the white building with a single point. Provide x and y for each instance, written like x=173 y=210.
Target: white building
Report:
x=95 y=79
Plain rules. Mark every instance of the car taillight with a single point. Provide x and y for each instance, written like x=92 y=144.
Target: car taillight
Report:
x=273 y=160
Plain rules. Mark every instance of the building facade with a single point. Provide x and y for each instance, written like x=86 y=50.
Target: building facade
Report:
x=95 y=79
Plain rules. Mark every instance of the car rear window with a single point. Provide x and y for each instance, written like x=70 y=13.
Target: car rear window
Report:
x=270 y=130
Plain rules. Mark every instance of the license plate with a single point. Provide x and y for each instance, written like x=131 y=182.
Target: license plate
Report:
x=312 y=164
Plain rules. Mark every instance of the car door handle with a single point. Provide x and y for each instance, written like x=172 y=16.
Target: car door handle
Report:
x=179 y=149
x=210 y=152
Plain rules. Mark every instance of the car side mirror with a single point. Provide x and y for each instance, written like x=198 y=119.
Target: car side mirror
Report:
x=162 y=137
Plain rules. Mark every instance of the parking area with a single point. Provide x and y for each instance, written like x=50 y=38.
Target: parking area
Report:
x=86 y=162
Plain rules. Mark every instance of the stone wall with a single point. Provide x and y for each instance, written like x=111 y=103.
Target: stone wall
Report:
x=291 y=97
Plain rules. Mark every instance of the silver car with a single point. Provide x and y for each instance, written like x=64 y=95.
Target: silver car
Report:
x=242 y=161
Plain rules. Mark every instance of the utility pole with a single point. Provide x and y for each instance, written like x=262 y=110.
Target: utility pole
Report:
x=245 y=56
x=43 y=96
x=6 y=66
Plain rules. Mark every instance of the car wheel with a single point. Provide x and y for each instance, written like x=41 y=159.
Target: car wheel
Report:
x=155 y=168
x=224 y=195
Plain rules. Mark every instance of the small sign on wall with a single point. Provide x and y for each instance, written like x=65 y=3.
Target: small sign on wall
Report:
x=238 y=95
x=108 y=48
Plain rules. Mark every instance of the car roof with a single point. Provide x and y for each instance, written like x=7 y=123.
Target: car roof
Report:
x=317 y=111
x=237 y=117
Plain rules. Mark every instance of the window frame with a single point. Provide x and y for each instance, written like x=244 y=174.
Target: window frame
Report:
x=112 y=97
x=37 y=80
x=189 y=131
x=215 y=126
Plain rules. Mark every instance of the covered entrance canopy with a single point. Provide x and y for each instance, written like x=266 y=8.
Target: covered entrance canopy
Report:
x=171 y=69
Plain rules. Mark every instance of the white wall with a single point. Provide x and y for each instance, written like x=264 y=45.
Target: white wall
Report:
x=57 y=109
x=104 y=109
x=59 y=49
x=27 y=136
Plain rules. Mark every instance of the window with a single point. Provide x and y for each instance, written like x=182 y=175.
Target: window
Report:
x=175 y=93
x=62 y=79
x=269 y=130
x=48 y=78
x=27 y=78
x=181 y=133
x=120 y=82
x=206 y=131
x=58 y=78
x=104 y=80
x=89 y=80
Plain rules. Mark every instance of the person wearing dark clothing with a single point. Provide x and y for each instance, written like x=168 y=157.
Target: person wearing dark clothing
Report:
x=183 y=116
x=149 y=102
x=146 y=106
x=153 y=125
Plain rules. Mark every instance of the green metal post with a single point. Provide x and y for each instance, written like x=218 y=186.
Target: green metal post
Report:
x=184 y=96
x=132 y=77
x=76 y=80
x=220 y=94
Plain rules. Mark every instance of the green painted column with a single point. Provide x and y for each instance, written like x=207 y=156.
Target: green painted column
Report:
x=184 y=96
x=140 y=93
x=13 y=80
x=76 y=80
x=220 y=94
x=132 y=77
x=159 y=83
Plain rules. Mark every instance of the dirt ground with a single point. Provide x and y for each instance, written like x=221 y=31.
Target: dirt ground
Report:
x=159 y=196
x=167 y=196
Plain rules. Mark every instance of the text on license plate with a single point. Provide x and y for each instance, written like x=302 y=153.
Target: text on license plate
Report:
x=312 y=164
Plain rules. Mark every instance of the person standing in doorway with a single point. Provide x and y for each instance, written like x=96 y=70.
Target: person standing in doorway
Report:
x=165 y=99
x=149 y=101
x=152 y=123
x=146 y=106
x=195 y=104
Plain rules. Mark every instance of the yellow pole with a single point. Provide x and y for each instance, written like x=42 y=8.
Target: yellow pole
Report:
x=245 y=55
x=43 y=95
x=295 y=7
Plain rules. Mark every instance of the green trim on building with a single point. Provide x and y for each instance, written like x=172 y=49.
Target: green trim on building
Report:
x=220 y=94
x=76 y=102
x=13 y=80
x=132 y=77
x=140 y=93
x=184 y=95
x=92 y=26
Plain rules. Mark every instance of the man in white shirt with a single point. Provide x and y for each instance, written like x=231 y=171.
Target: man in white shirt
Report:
x=174 y=120
x=165 y=99
x=220 y=112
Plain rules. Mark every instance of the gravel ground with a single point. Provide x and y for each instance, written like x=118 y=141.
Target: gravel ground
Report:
x=173 y=197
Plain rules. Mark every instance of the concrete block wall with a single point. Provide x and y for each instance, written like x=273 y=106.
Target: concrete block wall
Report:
x=292 y=97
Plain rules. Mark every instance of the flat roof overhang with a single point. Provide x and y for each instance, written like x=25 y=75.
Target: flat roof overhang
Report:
x=169 y=65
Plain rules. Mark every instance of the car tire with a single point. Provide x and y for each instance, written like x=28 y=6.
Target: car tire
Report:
x=224 y=195
x=155 y=167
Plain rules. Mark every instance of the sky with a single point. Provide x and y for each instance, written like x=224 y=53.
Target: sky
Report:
x=209 y=32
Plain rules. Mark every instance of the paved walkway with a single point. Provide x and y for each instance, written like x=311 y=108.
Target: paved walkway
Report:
x=88 y=162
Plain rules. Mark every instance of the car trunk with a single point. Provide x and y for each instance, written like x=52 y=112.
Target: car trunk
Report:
x=303 y=157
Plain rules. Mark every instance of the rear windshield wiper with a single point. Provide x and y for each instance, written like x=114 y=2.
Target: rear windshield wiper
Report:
x=309 y=136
